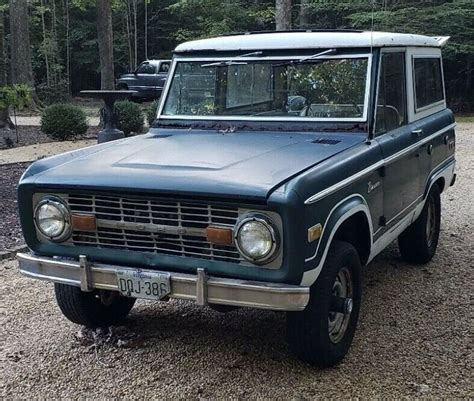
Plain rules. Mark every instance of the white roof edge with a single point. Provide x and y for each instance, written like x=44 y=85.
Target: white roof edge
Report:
x=309 y=40
x=442 y=40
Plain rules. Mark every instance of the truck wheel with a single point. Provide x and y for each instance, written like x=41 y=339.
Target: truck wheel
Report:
x=92 y=309
x=419 y=241
x=322 y=333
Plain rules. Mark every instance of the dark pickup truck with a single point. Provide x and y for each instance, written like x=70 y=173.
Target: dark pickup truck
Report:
x=148 y=79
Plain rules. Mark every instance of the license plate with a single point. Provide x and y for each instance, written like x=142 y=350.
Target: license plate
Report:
x=139 y=284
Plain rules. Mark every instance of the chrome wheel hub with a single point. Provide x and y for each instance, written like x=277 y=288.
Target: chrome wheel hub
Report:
x=338 y=321
x=430 y=222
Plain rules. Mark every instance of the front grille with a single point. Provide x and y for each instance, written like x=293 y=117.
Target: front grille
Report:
x=153 y=225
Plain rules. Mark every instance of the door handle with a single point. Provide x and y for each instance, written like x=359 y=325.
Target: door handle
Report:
x=418 y=132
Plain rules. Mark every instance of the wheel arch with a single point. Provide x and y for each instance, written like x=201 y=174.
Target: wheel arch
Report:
x=352 y=210
x=442 y=176
x=122 y=85
x=356 y=231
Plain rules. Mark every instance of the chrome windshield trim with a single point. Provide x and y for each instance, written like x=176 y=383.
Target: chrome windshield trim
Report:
x=177 y=59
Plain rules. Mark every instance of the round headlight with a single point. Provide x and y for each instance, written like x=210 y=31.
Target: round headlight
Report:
x=256 y=239
x=52 y=219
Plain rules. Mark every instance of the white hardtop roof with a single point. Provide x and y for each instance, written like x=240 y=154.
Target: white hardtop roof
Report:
x=309 y=40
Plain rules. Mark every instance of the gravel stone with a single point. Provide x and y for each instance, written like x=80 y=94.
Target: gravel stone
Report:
x=414 y=337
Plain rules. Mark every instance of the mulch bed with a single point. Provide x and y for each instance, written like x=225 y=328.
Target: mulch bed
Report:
x=29 y=135
x=10 y=231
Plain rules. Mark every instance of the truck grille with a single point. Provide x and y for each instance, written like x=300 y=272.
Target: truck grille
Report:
x=153 y=225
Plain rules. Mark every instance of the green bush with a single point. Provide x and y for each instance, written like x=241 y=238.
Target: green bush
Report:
x=130 y=117
x=63 y=121
x=151 y=111
x=57 y=93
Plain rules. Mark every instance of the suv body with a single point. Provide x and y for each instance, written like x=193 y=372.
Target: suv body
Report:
x=279 y=163
x=147 y=80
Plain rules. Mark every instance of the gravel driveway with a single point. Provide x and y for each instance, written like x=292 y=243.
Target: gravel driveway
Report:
x=414 y=338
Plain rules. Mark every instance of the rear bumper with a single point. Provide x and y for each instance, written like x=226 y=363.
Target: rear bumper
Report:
x=201 y=288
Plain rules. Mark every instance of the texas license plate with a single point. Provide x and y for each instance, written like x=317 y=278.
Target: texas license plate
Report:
x=139 y=284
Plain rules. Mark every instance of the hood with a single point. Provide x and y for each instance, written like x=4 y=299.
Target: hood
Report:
x=206 y=163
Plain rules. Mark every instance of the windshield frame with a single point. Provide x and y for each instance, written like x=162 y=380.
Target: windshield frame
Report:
x=179 y=59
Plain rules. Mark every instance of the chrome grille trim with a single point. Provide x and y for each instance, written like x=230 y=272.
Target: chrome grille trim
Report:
x=153 y=225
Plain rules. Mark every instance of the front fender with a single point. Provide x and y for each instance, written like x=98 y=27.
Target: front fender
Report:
x=343 y=210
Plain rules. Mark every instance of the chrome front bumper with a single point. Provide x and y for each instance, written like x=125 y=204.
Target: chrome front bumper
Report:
x=201 y=288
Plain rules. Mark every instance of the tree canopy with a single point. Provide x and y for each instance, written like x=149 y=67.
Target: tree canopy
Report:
x=64 y=40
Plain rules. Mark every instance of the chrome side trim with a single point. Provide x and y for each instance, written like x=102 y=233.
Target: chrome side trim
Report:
x=310 y=276
x=341 y=184
x=449 y=162
x=201 y=287
x=365 y=209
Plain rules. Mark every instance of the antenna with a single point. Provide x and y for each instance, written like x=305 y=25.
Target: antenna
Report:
x=371 y=55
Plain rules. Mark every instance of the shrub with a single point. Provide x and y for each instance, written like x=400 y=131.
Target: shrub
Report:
x=151 y=111
x=130 y=117
x=57 y=93
x=63 y=121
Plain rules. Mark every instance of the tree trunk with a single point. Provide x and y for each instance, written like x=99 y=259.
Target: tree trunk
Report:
x=22 y=72
x=129 y=37
x=283 y=15
x=45 y=44
x=135 y=33
x=146 y=28
x=106 y=49
x=305 y=14
x=68 y=45
x=4 y=118
x=469 y=72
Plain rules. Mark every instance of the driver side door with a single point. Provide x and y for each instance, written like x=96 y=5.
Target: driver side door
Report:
x=397 y=139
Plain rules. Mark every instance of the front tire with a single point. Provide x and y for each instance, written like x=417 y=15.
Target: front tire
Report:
x=419 y=241
x=92 y=309
x=322 y=334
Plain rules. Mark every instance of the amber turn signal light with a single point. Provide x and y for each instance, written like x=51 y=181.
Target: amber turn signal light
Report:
x=219 y=235
x=314 y=232
x=83 y=222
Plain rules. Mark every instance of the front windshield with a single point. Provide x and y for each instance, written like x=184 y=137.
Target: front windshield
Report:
x=320 y=89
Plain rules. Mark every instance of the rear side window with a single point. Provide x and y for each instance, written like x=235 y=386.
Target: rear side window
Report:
x=428 y=81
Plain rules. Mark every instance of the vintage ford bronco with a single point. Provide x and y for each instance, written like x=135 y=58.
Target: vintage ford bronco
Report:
x=278 y=165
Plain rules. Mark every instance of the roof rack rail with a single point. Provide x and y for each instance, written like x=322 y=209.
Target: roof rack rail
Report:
x=293 y=30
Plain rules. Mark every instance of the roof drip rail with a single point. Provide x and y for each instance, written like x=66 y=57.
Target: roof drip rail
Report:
x=293 y=30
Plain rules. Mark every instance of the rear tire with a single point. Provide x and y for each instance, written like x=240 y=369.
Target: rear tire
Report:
x=419 y=241
x=92 y=309
x=319 y=335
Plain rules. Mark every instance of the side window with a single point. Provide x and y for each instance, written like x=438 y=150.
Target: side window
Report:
x=391 y=101
x=164 y=68
x=428 y=81
x=145 y=68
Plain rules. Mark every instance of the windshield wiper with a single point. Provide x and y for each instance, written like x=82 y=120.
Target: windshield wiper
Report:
x=232 y=61
x=307 y=58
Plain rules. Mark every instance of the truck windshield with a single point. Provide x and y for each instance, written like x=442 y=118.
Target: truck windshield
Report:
x=333 y=88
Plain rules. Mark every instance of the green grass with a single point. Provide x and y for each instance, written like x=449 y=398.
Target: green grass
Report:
x=464 y=118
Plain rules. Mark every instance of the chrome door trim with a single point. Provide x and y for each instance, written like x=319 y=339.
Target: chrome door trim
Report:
x=341 y=184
